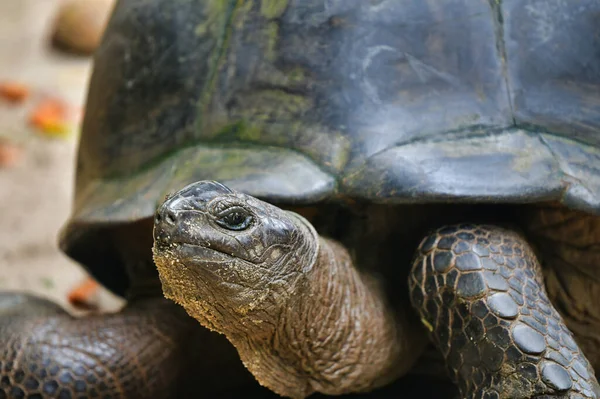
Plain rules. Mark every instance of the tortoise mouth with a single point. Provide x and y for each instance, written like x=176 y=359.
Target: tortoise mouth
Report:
x=211 y=267
x=187 y=253
x=190 y=262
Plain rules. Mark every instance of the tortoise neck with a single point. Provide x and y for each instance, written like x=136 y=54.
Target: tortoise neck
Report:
x=347 y=309
x=336 y=335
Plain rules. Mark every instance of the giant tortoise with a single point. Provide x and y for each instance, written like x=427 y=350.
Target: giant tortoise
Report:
x=374 y=120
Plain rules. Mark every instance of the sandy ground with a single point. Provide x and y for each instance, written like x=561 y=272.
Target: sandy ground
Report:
x=36 y=193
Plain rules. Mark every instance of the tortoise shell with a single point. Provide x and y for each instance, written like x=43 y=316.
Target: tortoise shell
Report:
x=305 y=101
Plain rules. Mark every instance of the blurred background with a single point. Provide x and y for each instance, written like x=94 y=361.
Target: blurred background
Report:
x=45 y=64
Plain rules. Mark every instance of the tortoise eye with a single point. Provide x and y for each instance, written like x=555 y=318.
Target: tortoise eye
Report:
x=235 y=219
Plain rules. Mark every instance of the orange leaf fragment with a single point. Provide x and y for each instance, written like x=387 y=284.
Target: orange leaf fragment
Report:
x=82 y=296
x=50 y=116
x=10 y=154
x=14 y=92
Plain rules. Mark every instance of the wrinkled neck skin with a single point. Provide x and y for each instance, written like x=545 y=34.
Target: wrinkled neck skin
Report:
x=335 y=334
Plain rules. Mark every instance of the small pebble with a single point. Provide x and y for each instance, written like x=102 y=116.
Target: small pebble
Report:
x=14 y=92
x=80 y=24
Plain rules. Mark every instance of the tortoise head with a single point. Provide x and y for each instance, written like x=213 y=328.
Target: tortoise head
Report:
x=229 y=258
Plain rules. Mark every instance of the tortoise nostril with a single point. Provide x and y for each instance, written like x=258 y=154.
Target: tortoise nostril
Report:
x=165 y=215
x=170 y=217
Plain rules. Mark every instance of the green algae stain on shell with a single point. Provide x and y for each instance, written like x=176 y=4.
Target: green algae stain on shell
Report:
x=268 y=115
x=240 y=130
x=272 y=31
x=276 y=105
x=217 y=25
x=218 y=12
x=273 y=8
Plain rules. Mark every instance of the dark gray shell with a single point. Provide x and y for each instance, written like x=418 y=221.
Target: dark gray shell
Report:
x=302 y=101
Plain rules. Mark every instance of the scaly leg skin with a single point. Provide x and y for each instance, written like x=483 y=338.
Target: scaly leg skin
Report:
x=569 y=244
x=141 y=352
x=480 y=291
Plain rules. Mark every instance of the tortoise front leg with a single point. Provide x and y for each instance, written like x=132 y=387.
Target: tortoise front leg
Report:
x=569 y=245
x=480 y=291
